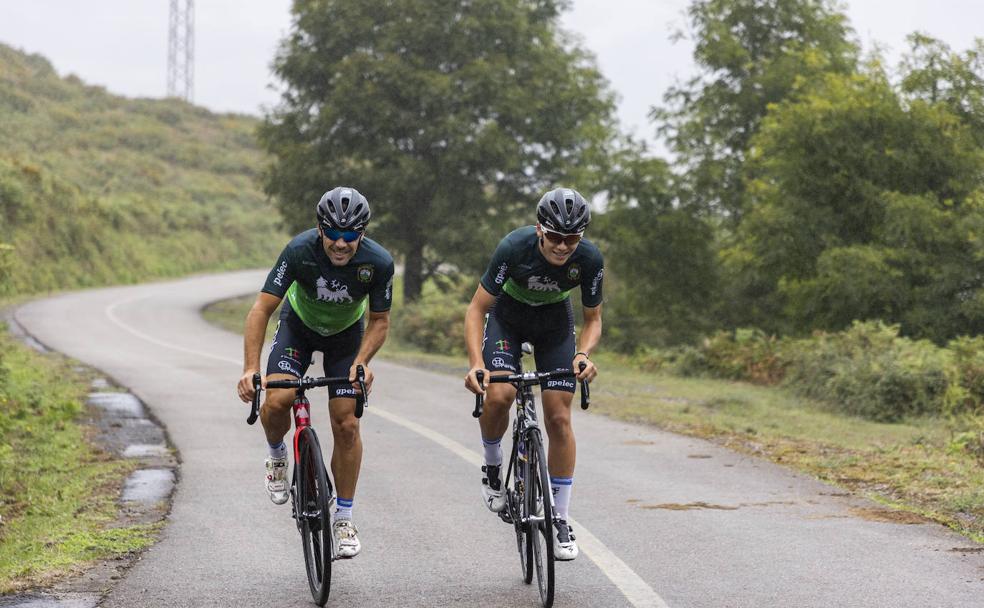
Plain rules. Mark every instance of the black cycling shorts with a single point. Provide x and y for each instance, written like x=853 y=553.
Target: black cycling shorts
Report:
x=294 y=343
x=549 y=328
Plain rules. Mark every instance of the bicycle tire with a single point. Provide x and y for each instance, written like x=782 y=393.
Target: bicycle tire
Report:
x=522 y=516
x=314 y=492
x=540 y=533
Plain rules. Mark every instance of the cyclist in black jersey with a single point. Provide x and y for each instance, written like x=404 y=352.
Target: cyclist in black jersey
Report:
x=526 y=293
x=330 y=276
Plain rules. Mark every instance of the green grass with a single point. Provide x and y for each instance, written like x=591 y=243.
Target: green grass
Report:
x=58 y=491
x=916 y=465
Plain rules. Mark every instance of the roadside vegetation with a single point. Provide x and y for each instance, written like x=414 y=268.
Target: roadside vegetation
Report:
x=58 y=492
x=97 y=189
x=925 y=460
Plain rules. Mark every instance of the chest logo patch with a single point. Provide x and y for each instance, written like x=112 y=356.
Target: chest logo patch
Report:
x=574 y=272
x=333 y=292
x=538 y=283
x=365 y=273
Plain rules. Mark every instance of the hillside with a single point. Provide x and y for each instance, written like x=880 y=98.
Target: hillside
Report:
x=98 y=189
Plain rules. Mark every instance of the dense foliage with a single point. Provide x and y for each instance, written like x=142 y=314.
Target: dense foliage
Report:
x=98 y=189
x=452 y=117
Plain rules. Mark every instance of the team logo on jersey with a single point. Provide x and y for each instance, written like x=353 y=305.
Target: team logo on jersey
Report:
x=332 y=292
x=293 y=353
x=365 y=273
x=574 y=272
x=538 y=283
x=502 y=345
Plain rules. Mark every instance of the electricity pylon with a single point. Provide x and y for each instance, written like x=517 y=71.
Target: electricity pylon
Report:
x=181 y=50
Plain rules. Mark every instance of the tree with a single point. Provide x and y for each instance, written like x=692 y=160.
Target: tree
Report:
x=661 y=269
x=451 y=116
x=864 y=207
x=750 y=53
x=933 y=73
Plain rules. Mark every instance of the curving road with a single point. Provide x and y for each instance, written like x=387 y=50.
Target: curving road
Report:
x=756 y=535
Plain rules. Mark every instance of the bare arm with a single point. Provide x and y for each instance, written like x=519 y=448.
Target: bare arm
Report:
x=256 y=323
x=480 y=304
x=376 y=330
x=590 y=336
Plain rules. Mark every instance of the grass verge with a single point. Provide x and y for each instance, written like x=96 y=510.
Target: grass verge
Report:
x=914 y=466
x=58 y=491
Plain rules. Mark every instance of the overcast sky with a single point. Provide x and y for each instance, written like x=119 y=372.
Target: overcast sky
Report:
x=122 y=44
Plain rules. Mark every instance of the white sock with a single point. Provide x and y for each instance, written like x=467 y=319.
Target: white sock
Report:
x=493 y=451
x=561 y=488
x=343 y=508
x=278 y=451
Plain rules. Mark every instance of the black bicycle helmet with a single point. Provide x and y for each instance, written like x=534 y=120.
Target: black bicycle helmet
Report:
x=343 y=208
x=563 y=210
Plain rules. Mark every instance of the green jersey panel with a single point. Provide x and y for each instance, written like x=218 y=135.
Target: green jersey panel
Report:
x=520 y=270
x=328 y=298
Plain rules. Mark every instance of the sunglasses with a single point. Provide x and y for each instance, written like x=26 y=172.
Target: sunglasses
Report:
x=559 y=237
x=346 y=235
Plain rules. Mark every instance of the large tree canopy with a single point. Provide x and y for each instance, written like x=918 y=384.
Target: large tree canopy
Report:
x=750 y=53
x=450 y=116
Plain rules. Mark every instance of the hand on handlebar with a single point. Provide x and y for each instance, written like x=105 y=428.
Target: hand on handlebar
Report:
x=471 y=381
x=590 y=370
x=244 y=388
x=367 y=379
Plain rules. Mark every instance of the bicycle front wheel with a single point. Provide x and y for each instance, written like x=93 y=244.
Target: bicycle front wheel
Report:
x=314 y=518
x=540 y=529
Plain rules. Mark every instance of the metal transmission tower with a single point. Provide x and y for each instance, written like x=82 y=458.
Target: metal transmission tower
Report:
x=181 y=50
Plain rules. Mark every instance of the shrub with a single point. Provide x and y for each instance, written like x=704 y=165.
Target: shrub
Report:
x=435 y=323
x=870 y=371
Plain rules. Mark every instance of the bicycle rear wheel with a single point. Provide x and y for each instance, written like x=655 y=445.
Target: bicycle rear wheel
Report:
x=540 y=529
x=314 y=492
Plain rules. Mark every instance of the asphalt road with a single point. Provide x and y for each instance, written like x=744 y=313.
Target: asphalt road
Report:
x=755 y=534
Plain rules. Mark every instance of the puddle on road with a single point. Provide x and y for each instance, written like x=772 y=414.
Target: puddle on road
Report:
x=74 y=600
x=148 y=485
x=143 y=450
x=124 y=405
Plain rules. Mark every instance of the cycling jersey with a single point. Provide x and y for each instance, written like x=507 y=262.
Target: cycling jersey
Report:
x=520 y=270
x=327 y=298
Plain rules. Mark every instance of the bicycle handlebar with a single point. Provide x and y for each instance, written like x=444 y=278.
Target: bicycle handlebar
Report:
x=531 y=379
x=306 y=383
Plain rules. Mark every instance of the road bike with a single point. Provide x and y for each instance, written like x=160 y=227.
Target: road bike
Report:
x=311 y=491
x=529 y=500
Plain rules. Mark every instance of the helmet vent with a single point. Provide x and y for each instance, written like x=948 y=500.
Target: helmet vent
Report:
x=345 y=203
x=569 y=203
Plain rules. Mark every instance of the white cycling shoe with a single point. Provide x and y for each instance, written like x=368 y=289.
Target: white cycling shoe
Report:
x=492 y=494
x=276 y=480
x=347 y=543
x=565 y=549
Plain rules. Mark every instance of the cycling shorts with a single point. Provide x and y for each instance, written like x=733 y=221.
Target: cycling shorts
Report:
x=294 y=344
x=549 y=328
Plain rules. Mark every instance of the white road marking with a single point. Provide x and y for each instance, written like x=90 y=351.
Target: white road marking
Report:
x=635 y=590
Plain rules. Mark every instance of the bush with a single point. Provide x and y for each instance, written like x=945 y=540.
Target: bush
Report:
x=435 y=323
x=869 y=371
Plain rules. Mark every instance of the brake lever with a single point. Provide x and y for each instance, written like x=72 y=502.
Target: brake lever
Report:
x=585 y=393
x=255 y=412
x=479 y=397
x=361 y=404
